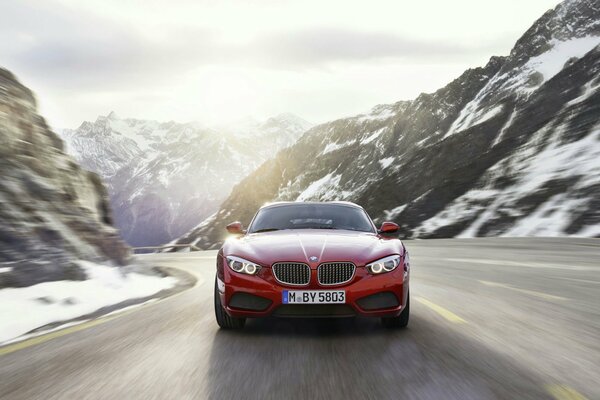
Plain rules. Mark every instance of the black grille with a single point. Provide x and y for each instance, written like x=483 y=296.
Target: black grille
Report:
x=379 y=300
x=292 y=273
x=247 y=301
x=314 y=310
x=335 y=273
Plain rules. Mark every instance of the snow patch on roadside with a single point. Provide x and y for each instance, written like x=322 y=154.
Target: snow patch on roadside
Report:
x=24 y=309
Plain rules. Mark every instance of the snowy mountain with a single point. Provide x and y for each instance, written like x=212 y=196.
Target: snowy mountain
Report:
x=165 y=177
x=54 y=215
x=510 y=148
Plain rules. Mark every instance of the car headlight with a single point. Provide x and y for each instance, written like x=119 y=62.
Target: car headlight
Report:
x=383 y=265
x=242 y=266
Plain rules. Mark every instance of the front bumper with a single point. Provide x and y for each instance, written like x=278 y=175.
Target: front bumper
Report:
x=257 y=296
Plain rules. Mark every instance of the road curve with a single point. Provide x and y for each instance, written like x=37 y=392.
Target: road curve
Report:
x=490 y=319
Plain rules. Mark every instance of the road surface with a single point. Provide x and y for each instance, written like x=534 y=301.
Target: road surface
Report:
x=490 y=319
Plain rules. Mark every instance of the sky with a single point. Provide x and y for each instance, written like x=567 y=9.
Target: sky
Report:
x=217 y=61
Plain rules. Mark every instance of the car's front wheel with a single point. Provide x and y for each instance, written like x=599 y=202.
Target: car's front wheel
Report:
x=401 y=321
x=224 y=320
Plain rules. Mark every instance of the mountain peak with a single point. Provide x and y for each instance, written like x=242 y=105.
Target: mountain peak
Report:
x=570 y=19
x=288 y=118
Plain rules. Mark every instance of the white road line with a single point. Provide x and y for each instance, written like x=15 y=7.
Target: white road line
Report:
x=577 y=280
x=542 y=295
x=66 y=329
x=523 y=264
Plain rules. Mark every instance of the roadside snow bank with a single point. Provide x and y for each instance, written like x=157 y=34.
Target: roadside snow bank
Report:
x=24 y=309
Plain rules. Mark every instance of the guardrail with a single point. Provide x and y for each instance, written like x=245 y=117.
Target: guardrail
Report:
x=169 y=246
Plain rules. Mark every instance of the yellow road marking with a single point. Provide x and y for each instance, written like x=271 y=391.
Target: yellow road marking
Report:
x=11 y=348
x=449 y=315
x=542 y=295
x=563 y=392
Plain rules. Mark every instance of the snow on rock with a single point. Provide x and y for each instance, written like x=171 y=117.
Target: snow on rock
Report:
x=589 y=89
x=533 y=169
x=386 y=162
x=489 y=114
x=552 y=61
x=379 y=112
x=57 y=301
x=507 y=125
x=373 y=136
x=460 y=209
x=336 y=146
x=320 y=187
x=524 y=80
x=471 y=111
x=391 y=214
x=550 y=219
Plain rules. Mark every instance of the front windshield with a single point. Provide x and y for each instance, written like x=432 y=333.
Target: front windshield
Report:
x=311 y=216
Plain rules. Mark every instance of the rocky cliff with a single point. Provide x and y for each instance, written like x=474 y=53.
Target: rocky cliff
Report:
x=52 y=212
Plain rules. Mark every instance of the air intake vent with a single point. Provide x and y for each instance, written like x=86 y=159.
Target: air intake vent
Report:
x=297 y=274
x=335 y=273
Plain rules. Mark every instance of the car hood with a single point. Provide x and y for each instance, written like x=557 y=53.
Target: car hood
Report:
x=305 y=244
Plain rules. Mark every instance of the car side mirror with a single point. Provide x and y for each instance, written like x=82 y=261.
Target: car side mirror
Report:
x=389 y=227
x=235 y=228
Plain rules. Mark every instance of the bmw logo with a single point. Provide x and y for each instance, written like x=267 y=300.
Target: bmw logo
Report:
x=313 y=258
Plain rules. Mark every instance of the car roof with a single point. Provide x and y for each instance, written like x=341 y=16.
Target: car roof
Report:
x=288 y=203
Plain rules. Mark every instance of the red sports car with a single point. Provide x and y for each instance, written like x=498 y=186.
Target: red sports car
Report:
x=309 y=259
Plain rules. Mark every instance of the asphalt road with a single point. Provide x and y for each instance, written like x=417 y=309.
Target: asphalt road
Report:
x=490 y=319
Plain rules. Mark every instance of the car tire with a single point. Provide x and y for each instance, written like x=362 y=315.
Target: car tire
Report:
x=224 y=320
x=401 y=321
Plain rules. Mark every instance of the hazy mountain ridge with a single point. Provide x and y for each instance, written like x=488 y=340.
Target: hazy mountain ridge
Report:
x=165 y=177
x=507 y=149
x=53 y=213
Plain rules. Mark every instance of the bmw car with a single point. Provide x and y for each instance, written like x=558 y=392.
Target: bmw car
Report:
x=312 y=259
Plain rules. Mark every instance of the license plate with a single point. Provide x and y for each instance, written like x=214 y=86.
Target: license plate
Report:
x=313 y=296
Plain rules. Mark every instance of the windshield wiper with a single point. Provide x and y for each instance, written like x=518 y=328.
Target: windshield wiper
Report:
x=267 y=230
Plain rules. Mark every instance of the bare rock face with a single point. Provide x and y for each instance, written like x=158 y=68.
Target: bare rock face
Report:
x=52 y=212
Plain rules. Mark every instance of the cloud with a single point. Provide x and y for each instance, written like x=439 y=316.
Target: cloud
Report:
x=320 y=46
x=198 y=60
x=74 y=49
x=71 y=48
